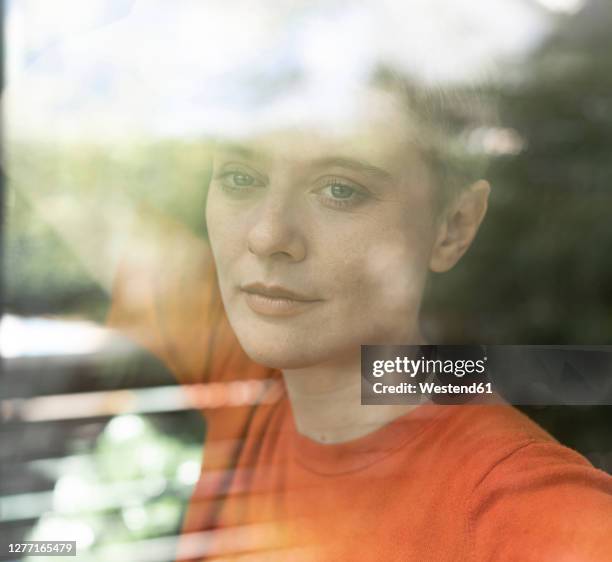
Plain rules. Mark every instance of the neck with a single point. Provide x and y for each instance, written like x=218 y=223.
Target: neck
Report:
x=326 y=401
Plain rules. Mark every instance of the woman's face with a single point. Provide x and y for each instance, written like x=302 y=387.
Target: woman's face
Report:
x=322 y=238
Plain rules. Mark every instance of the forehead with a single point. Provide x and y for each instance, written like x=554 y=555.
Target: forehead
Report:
x=375 y=128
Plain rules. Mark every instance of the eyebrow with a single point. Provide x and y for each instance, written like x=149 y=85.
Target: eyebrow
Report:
x=240 y=150
x=356 y=165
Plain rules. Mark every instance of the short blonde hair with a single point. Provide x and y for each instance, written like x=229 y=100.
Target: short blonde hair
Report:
x=444 y=117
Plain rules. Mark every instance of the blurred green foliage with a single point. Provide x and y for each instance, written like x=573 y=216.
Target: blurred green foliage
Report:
x=42 y=274
x=540 y=271
x=133 y=486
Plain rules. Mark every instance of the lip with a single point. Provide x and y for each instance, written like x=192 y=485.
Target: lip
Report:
x=275 y=300
x=276 y=292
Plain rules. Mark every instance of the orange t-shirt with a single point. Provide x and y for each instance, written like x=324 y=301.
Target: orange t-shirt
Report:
x=443 y=483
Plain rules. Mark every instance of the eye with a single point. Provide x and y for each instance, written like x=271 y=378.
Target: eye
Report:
x=341 y=193
x=238 y=181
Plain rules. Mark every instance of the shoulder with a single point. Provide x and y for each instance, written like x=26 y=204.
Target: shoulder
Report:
x=486 y=435
x=498 y=446
x=528 y=496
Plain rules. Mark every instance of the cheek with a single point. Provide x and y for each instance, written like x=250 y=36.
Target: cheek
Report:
x=223 y=233
x=399 y=270
x=392 y=280
x=381 y=278
x=388 y=256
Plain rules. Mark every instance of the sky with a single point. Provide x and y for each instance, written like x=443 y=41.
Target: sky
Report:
x=112 y=69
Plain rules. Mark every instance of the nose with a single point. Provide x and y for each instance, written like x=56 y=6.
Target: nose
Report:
x=276 y=232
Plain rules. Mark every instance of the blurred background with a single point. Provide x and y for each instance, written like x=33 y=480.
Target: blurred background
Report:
x=114 y=102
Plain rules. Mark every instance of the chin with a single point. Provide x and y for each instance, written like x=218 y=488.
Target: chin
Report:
x=296 y=353
x=280 y=353
x=279 y=356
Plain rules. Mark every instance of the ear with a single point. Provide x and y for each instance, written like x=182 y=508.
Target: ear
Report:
x=459 y=226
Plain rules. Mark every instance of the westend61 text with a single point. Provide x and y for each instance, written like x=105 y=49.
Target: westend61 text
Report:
x=414 y=367
x=432 y=388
